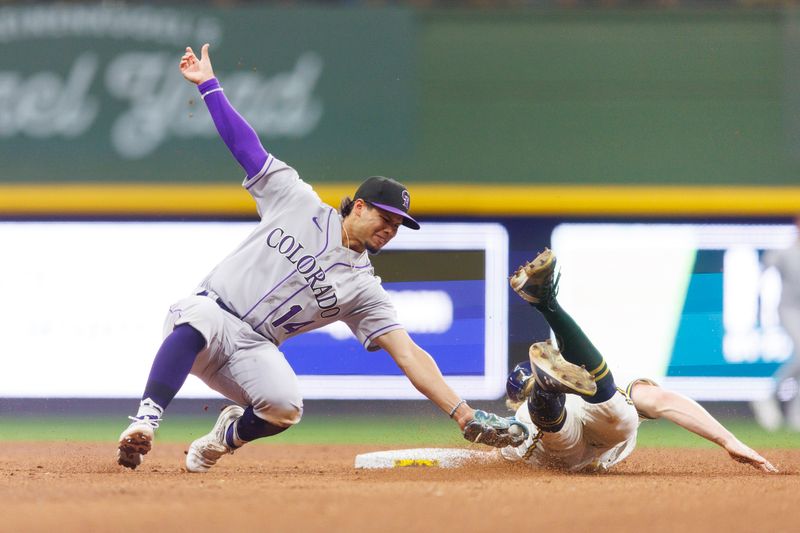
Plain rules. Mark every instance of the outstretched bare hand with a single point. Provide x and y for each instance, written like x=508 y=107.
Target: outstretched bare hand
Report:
x=744 y=454
x=196 y=70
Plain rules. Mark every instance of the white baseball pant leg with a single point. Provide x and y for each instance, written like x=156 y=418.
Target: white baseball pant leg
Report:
x=239 y=363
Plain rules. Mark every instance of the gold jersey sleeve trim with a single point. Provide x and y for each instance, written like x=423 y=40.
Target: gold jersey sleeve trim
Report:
x=629 y=390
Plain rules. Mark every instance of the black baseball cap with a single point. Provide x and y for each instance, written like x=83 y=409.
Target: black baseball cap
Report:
x=389 y=195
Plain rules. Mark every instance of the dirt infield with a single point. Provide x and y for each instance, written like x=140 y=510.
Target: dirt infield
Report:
x=69 y=487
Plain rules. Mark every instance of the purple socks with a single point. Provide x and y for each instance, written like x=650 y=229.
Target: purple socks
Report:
x=250 y=427
x=172 y=364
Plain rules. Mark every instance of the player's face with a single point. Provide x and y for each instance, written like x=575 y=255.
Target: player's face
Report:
x=375 y=227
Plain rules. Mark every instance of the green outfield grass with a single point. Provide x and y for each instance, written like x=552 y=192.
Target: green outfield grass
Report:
x=372 y=430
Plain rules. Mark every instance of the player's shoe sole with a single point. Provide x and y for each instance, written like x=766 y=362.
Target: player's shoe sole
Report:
x=533 y=281
x=204 y=452
x=135 y=442
x=555 y=374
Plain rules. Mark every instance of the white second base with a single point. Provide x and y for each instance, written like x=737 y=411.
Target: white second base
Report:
x=421 y=457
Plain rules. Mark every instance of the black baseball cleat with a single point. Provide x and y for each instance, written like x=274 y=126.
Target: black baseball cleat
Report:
x=535 y=281
x=553 y=373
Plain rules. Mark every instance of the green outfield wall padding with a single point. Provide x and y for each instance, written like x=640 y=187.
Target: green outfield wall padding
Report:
x=482 y=97
x=597 y=97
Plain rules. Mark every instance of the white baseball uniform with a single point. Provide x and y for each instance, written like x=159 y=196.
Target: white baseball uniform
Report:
x=594 y=437
x=290 y=275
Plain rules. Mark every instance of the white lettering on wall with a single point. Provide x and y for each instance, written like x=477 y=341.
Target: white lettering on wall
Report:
x=46 y=105
x=51 y=104
x=750 y=310
x=281 y=106
x=139 y=23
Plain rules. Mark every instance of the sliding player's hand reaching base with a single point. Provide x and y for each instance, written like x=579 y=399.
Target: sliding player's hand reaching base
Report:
x=744 y=454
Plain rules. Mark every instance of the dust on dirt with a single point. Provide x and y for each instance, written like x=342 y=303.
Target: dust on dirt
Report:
x=67 y=486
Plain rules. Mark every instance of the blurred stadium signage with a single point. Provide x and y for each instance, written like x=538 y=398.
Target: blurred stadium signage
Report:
x=686 y=303
x=90 y=298
x=49 y=106
x=100 y=84
x=548 y=98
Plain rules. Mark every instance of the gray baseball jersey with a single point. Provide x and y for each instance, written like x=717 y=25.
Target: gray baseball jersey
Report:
x=292 y=273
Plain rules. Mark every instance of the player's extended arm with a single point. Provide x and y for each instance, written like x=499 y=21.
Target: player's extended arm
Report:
x=240 y=138
x=423 y=372
x=655 y=402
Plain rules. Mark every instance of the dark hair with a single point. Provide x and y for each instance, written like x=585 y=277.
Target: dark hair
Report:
x=346 y=206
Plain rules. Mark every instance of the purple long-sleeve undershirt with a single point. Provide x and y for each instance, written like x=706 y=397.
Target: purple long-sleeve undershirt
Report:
x=237 y=134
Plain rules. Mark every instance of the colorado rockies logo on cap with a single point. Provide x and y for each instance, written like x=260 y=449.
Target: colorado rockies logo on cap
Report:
x=389 y=195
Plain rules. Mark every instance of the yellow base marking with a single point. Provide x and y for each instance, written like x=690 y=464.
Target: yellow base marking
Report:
x=400 y=463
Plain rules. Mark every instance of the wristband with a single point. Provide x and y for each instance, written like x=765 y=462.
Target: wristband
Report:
x=209 y=86
x=459 y=404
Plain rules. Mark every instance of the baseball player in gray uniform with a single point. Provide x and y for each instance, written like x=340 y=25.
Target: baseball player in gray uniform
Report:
x=576 y=418
x=768 y=412
x=304 y=265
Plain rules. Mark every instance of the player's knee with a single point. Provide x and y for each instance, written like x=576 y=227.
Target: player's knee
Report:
x=279 y=413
